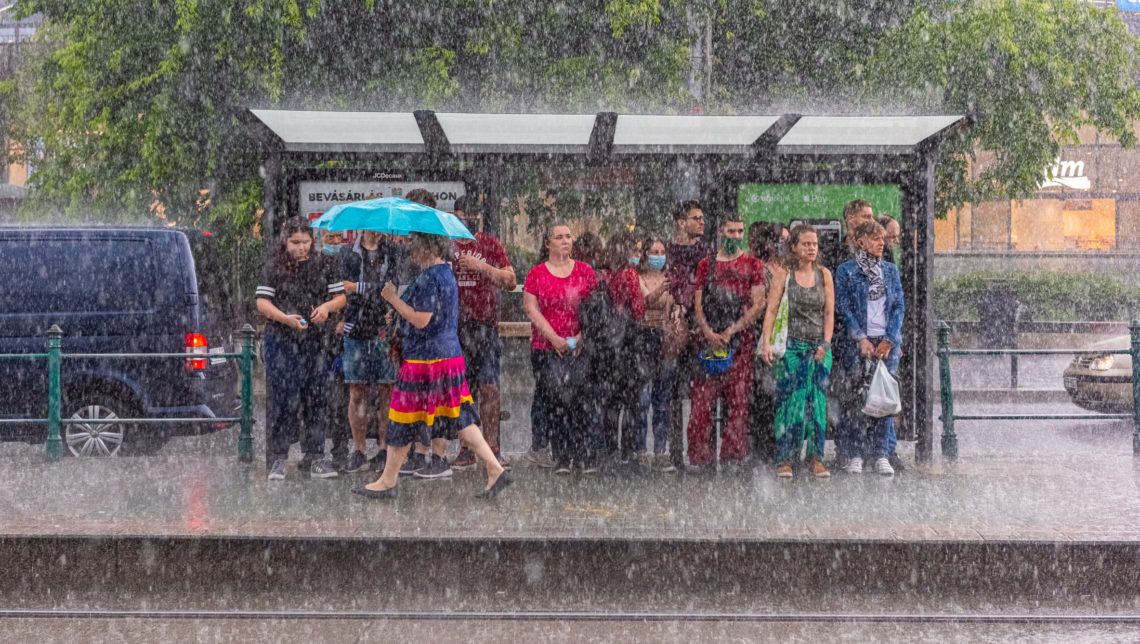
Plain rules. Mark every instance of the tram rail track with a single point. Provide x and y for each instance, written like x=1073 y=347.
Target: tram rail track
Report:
x=586 y=616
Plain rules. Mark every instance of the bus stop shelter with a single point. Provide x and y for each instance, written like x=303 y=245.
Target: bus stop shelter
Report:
x=728 y=162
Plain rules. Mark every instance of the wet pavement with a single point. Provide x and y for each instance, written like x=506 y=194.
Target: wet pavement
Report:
x=445 y=631
x=1050 y=481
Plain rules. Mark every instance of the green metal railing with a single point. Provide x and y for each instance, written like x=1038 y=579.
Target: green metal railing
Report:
x=55 y=357
x=950 y=438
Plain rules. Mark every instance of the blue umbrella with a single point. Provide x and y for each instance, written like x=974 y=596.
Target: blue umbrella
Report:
x=394 y=216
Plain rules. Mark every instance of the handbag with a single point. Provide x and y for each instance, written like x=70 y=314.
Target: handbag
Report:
x=779 y=338
x=674 y=335
x=883 y=394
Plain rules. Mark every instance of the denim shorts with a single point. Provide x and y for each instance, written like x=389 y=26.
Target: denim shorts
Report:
x=367 y=362
x=483 y=350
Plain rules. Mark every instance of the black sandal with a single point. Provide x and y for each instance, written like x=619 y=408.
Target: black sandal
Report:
x=389 y=493
x=498 y=486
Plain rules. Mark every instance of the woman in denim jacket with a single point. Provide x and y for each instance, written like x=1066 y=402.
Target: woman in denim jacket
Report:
x=870 y=300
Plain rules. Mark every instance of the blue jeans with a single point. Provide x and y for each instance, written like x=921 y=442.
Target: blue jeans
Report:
x=658 y=395
x=295 y=378
x=861 y=435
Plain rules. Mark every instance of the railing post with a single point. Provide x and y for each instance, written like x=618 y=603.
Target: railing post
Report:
x=245 y=436
x=55 y=396
x=949 y=438
x=1134 y=330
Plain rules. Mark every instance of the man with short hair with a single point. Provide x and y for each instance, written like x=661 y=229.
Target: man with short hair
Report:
x=728 y=300
x=482 y=270
x=683 y=253
x=857 y=211
x=891 y=238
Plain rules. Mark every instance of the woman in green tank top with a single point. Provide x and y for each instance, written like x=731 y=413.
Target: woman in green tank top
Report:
x=802 y=372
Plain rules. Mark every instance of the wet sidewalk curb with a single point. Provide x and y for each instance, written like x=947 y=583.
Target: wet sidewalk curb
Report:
x=563 y=568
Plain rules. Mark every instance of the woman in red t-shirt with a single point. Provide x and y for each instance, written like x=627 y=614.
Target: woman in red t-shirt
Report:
x=552 y=292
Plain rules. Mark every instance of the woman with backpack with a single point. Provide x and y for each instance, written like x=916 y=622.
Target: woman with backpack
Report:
x=552 y=294
x=610 y=323
x=803 y=370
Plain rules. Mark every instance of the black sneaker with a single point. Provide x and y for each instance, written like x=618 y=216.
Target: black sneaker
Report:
x=896 y=462
x=377 y=463
x=355 y=462
x=415 y=463
x=322 y=469
x=438 y=468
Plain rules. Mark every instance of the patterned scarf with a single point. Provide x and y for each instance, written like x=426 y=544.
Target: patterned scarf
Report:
x=873 y=269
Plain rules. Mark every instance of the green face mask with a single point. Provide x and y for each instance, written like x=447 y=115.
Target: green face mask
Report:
x=731 y=246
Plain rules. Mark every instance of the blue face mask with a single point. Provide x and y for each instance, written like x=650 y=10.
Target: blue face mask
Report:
x=656 y=262
x=635 y=261
x=330 y=249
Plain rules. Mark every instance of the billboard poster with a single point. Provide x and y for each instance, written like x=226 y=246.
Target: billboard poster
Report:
x=787 y=202
x=315 y=197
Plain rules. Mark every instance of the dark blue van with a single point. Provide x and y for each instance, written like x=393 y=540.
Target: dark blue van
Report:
x=113 y=290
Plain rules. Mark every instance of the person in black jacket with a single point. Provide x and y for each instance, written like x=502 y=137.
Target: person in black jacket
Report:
x=297 y=293
x=371 y=262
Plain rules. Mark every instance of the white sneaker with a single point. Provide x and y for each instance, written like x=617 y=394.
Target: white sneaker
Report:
x=854 y=465
x=883 y=466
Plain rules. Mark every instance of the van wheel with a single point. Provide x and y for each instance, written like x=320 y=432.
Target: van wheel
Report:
x=99 y=434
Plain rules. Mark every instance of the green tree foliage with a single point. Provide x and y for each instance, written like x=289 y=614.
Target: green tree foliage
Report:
x=132 y=106
x=1028 y=72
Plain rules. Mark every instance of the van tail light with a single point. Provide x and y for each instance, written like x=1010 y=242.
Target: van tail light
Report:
x=196 y=345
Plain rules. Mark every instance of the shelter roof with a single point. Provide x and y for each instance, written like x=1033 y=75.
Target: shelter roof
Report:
x=604 y=133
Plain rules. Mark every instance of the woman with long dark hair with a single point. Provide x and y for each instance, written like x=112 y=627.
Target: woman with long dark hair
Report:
x=661 y=335
x=431 y=403
x=297 y=292
x=618 y=368
x=802 y=373
x=552 y=293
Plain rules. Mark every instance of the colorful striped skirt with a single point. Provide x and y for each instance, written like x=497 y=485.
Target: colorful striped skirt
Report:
x=430 y=400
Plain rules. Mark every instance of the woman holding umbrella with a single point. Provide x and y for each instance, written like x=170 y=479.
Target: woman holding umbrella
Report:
x=431 y=400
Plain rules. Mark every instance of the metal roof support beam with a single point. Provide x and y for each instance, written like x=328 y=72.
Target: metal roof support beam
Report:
x=765 y=144
x=435 y=139
x=602 y=136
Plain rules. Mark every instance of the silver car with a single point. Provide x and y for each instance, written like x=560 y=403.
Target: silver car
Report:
x=1101 y=382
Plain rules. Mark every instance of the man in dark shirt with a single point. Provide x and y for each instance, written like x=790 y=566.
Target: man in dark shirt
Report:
x=683 y=253
x=482 y=270
x=365 y=267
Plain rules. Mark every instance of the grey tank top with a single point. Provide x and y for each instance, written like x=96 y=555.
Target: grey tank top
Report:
x=805 y=309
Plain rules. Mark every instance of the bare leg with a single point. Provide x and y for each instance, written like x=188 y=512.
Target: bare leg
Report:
x=489 y=405
x=474 y=439
x=439 y=446
x=358 y=414
x=391 y=474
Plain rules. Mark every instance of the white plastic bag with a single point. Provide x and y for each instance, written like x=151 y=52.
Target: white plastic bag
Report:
x=779 y=339
x=883 y=394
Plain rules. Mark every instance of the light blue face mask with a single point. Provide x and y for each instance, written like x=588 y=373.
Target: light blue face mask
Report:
x=656 y=262
x=635 y=261
x=330 y=249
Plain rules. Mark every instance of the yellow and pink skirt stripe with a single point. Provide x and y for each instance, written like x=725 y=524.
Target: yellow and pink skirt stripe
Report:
x=427 y=389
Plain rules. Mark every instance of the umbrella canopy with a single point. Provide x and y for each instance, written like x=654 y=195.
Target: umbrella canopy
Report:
x=394 y=216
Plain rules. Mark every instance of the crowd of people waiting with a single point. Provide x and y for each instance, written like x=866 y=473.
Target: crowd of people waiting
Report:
x=622 y=333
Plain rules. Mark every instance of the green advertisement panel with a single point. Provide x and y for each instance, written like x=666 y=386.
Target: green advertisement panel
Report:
x=787 y=202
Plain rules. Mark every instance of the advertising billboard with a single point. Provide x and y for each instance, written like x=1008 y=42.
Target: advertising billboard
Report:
x=788 y=202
